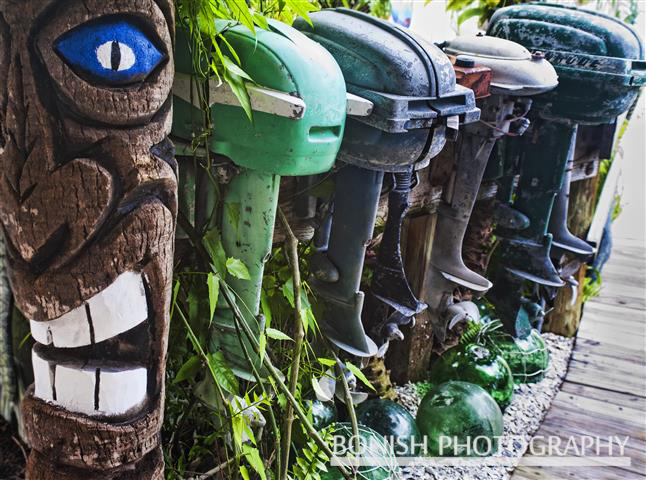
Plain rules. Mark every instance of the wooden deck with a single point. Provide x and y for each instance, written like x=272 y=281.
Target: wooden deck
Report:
x=604 y=392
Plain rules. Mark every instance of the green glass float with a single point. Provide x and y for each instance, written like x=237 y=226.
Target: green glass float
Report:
x=463 y=412
x=374 y=446
x=392 y=421
x=476 y=364
x=527 y=357
x=323 y=415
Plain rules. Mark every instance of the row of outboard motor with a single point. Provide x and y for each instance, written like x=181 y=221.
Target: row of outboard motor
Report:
x=371 y=103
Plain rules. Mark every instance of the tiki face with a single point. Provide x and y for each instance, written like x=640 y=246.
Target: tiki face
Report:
x=88 y=204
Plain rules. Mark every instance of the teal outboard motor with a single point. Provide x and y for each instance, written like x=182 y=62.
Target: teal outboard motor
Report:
x=600 y=64
x=416 y=106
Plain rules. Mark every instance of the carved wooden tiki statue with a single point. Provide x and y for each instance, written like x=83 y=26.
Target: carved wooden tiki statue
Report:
x=87 y=204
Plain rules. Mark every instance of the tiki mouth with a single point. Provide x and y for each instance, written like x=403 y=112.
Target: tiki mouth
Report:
x=92 y=360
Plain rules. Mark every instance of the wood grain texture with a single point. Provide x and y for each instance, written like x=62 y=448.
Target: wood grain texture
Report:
x=604 y=392
x=76 y=440
x=88 y=191
x=148 y=468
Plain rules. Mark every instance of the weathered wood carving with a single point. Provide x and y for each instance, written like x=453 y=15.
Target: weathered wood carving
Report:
x=87 y=204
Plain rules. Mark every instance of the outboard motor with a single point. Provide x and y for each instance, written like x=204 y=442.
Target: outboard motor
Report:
x=517 y=75
x=417 y=105
x=299 y=109
x=599 y=61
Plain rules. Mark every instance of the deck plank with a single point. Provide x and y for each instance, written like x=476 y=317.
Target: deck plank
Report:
x=604 y=391
x=616 y=399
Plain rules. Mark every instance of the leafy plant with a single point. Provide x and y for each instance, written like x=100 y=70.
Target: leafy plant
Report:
x=378 y=8
x=422 y=388
x=592 y=284
x=626 y=10
x=483 y=9
x=481 y=333
x=312 y=462
x=212 y=417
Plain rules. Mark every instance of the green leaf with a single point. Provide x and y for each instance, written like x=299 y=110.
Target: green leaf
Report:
x=237 y=268
x=309 y=319
x=233 y=214
x=188 y=370
x=261 y=21
x=253 y=457
x=218 y=367
x=222 y=373
x=235 y=69
x=266 y=310
x=24 y=340
x=237 y=428
x=174 y=302
x=288 y=291
x=282 y=400
x=244 y=473
x=359 y=374
x=239 y=89
x=306 y=310
x=457 y=5
x=302 y=8
x=328 y=362
x=277 y=334
x=309 y=455
x=213 y=282
x=242 y=13
x=262 y=346
x=248 y=430
x=471 y=12
x=232 y=51
x=213 y=244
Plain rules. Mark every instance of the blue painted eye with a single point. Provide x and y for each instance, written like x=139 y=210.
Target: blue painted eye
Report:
x=115 y=52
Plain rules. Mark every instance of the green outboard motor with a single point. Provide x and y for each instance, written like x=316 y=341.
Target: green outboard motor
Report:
x=599 y=61
x=416 y=105
x=517 y=76
x=299 y=108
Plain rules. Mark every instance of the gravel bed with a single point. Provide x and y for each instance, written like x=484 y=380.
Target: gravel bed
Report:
x=522 y=418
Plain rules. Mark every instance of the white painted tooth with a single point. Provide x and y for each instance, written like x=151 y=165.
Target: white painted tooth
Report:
x=119 y=307
x=115 y=310
x=75 y=389
x=69 y=331
x=43 y=377
x=121 y=390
